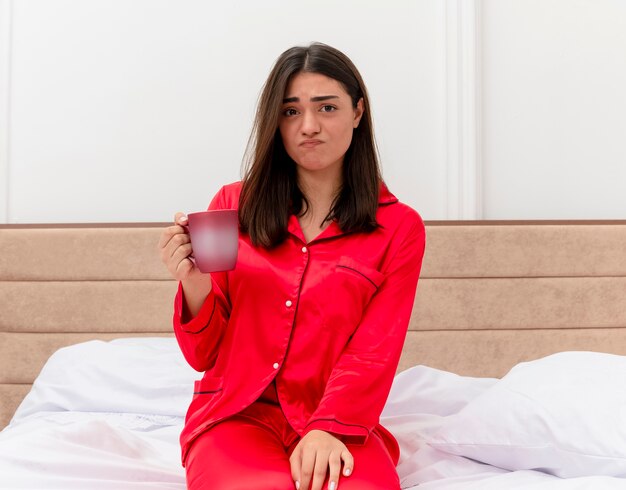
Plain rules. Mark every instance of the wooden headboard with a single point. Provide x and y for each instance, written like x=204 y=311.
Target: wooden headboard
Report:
x=491 y=294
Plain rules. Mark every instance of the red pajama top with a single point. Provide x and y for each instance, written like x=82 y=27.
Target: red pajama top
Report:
x=325 y=320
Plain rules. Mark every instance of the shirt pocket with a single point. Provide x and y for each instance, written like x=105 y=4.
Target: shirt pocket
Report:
x=353 y=286
x=351 y=266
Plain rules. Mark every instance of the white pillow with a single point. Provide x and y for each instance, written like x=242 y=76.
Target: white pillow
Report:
x=133 y=375
x=564 y=414
x=422 y=389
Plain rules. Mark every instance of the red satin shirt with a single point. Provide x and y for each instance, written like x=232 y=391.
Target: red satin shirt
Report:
x=325 y=320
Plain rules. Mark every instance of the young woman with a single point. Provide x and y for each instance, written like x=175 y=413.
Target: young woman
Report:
x=301 y=341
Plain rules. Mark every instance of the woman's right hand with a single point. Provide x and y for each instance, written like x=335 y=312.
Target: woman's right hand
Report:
x=175 y=247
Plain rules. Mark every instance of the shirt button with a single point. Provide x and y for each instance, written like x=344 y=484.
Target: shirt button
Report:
x=276 y=365
x=288 y=303
x=303 y=249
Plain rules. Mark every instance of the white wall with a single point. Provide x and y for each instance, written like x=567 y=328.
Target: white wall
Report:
x=554 y=109
x=118 y=110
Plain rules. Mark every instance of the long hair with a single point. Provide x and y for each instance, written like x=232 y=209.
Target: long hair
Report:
x=270 y=191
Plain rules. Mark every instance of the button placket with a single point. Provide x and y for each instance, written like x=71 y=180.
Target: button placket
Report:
x=289 y=303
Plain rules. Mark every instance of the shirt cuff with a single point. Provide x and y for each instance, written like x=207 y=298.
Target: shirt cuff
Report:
x=201 y=321
x=346 y=433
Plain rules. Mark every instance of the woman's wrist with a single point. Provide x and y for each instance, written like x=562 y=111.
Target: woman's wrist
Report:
x=195 y=292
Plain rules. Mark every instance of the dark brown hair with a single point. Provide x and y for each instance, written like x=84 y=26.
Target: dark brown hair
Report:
x=270 y=191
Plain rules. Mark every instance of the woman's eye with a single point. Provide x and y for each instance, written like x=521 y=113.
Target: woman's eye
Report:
x=290 y=112
x=328 y=108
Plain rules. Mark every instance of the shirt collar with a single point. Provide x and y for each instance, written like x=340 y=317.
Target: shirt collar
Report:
x=385 y=197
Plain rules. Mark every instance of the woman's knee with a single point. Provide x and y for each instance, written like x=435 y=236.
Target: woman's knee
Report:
x=238 y=454
x=363 y=484
x=262 y=480
x=373 y=468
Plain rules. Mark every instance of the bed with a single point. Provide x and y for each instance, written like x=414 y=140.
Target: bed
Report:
x=511 y=376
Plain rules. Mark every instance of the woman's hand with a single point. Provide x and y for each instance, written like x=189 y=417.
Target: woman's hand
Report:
x=175 y=247
x=317 y=453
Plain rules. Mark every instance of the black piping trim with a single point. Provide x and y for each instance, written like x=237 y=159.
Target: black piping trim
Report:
x=360 y=273
x=341 y=423
x=207 y=323
x=206 y=392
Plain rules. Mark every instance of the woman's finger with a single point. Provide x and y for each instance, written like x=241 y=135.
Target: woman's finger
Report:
x=168 y=253
x=178 y=242
x=306 y=468
x=295 y=461
x=321 y=470
x=180 y=218
x=334 y=468
x=181 y=253
x=167 y=234
x=348 y=462
x=183 y=268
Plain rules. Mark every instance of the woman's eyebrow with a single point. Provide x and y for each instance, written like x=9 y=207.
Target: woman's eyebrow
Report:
x=319 y=98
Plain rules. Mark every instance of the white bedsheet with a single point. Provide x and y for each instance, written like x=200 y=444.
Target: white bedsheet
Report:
x=107 y=415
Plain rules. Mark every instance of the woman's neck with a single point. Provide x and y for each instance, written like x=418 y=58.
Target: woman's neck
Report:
x=320 y=192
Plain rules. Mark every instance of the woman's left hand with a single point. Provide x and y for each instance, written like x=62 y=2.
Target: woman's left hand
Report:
x=317 y=453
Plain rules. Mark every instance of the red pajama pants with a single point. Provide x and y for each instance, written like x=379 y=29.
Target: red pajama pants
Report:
x=250 y=451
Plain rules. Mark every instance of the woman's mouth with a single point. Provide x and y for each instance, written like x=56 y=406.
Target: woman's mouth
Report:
x=310 y=143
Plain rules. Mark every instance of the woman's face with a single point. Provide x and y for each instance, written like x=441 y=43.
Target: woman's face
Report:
x=317 y=122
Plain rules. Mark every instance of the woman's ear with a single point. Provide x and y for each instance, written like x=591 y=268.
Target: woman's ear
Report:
x=358 y=113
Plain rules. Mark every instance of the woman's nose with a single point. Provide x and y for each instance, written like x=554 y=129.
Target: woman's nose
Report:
x=310 y=124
